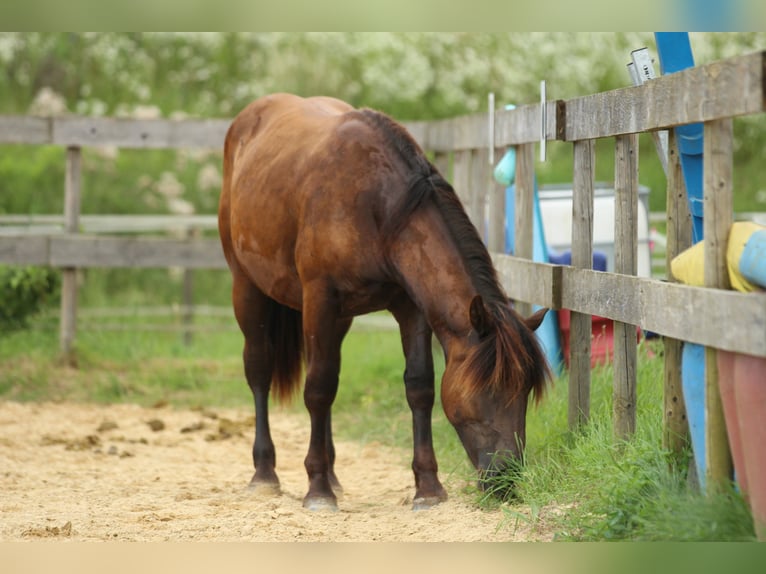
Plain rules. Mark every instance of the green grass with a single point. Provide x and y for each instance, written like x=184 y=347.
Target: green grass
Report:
x=587 y=485
x=578 y=486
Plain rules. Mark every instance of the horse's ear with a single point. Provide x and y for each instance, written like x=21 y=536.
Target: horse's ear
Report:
x=481 y=320
x=534 y=320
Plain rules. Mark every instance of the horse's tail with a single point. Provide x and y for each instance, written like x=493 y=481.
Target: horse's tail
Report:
x=286 y=335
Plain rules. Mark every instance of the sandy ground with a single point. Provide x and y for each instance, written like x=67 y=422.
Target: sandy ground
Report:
x=127 y=473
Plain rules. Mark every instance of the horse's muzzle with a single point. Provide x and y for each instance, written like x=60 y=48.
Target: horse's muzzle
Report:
x=498 y=476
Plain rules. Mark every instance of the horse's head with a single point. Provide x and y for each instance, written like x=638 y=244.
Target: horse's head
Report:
x=486 y=386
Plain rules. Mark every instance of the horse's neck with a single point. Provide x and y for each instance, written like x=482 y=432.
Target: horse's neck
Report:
x=433 y=271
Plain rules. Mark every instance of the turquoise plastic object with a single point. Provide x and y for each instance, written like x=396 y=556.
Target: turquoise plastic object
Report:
x=752 y=262
x=505 y=170
x=548 y=332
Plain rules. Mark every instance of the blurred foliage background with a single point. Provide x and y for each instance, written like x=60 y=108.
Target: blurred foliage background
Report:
x=411 y=76
x=408 y=75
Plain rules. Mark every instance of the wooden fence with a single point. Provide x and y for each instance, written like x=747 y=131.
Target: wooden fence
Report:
x=712 y=316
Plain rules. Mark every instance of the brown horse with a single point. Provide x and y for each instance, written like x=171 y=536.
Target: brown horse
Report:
x=328 y=212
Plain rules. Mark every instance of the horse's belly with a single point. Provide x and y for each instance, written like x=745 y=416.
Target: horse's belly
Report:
x=273 y=277
x=370 y=298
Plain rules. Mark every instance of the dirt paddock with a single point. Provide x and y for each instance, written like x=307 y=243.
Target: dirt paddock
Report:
x=128 y=473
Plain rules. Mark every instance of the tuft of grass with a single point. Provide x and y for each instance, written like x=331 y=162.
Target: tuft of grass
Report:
x=589 y=486
x=123 y=366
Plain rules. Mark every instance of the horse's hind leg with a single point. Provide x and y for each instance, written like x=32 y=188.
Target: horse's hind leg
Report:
x=252 y=309
x=419 y=386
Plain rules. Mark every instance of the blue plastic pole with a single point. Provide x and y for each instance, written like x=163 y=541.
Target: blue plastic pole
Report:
x=675 y=54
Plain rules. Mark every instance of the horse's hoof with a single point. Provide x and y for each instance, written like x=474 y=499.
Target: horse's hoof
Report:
x=426 y=502
x=263 y=488
x=320 y=504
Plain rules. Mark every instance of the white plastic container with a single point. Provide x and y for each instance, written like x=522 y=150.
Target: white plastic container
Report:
x=556 y=210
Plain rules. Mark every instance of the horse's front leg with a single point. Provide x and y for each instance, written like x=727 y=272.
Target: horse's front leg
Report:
x=323 y=334
x=419 y=385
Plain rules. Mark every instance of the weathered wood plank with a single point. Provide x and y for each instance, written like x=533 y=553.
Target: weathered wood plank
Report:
x=419 y=132
x=107 y=252
x=52 y=224
x=524 y=280
x=132 y=133
x=461 y=177
x=25 y=130
x=718 y=318
x=626 y=262
x=522 y=124
x=524 y=209
x=718 y=202
x=479 y=177
x=496 y=205
x=582 y=257
x=437 y=136
x=140 y=133
x=470 y=132
x=679 y=233
x=122 y=132
x=512 y=127
x=728 y=88
x=68 y=315
x=24 y=250
x=443 y=163
x=696 y=314
x=718 y=172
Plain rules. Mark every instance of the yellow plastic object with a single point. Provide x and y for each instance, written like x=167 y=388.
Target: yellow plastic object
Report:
x=688 y=267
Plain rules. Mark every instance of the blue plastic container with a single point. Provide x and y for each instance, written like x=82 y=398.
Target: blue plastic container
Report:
x=693 y=383
x=752 y=262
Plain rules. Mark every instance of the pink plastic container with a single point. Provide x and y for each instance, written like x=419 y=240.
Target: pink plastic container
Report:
x=742 y=381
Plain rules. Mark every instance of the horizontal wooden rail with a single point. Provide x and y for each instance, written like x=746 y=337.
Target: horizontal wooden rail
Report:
x=712 y=317
x=54 y=224
x=723 y=89
x=512 y=127
x=716 y=318
x=81 y=131
x=81 y=250
x=727 y=88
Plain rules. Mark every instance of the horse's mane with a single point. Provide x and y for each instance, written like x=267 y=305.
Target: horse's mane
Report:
x=506 y=359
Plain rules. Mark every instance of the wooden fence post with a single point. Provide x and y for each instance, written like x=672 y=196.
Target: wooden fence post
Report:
x=188 y=295
x=496 y=203
x=524 y=209
x=675 y=426
x=582 y=256
x=461 y=178
x=718 y=202
x=479 y=175
x=68 y=324
x=442 y=163
x=625 y=262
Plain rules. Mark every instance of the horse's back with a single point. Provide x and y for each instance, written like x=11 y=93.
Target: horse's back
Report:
x=261 y=114
x=301 y=189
